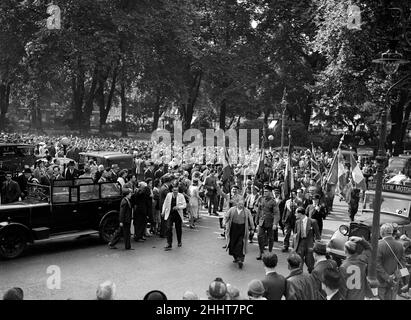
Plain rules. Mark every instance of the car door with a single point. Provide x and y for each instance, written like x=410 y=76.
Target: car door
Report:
x=65 y=209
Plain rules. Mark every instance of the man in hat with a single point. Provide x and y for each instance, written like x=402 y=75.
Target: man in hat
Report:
x=331 y=284
x=321 y=263
x=306 y=231
x=353 y=269
x=316 y=211
x=268 y=217
x=125 y=217
x=10 y=190
x=217 y=290
x=251 y=203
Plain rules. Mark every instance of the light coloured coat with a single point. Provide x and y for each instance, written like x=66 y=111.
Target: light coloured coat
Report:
x=180 y=203
x=249 y=225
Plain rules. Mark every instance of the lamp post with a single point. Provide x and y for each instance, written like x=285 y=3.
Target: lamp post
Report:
x=390 y=62
x=284 y=105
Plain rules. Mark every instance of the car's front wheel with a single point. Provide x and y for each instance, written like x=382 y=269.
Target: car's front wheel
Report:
x=12 y=243
x=108 y=226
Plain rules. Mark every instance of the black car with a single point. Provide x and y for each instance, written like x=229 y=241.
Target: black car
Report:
x=67 y=208
x=14 y=156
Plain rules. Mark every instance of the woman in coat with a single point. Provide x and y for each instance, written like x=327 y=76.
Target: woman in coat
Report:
x=239 y=222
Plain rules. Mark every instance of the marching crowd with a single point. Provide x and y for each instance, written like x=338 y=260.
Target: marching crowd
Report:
x=157 y=197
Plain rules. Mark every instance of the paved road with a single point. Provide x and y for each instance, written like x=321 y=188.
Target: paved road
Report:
x=84 y=263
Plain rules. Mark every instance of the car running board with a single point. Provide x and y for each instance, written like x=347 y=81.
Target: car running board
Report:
x=67 y=235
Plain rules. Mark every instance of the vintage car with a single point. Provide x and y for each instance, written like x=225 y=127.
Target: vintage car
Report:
x=66 y=209
x=107 y=159
x=14 y=156
x=395 y=208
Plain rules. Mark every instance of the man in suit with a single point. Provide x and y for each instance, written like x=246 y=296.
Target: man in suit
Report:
x=125 y=222
x=251 y=203
x=172 y=211
x=316 y=211
x=299 y=284
x=274 y=283
x=331 y=284
x=163 y=192
x=159 y=172
x=390 y=258
x=268 y=217
x=210 y=185
x=71 y=172
x=10 y=190
x=149 y=173
x=288 y=219
x=23 y=180
x=306 y=231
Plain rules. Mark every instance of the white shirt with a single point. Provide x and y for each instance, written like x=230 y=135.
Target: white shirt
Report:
x=304 y=226
x=251 y=200
x=331 y=295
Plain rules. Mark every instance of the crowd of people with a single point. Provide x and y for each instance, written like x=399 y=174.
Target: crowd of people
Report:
x=326 y=281
x=157 y=197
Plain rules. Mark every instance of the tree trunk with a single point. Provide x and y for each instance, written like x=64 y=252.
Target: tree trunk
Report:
x=156 y=112
x=306 y=114
x=238 y=122
x=123 y=110
x=88 y=106
x=103 y=106
x=223 y=114
x=4 y=103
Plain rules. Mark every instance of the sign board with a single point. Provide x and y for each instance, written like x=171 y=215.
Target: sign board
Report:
x=396 y=188
x=365 y=152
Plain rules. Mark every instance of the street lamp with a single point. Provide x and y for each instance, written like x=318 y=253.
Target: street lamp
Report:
x=284 y=105
x=390 y=61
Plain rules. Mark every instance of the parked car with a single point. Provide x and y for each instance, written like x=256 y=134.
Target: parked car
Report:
x=14 y=156
x=401 y=164
x=107 y=159
x=67 y=208
x=395 y=208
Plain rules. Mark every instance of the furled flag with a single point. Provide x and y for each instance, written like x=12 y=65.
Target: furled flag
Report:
x=228 y=173
x=289 y=175
x=342 y=177
x=357 y=175
x=259 y=172
x=315 y=166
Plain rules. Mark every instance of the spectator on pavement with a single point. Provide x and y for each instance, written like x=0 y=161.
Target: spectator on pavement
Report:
x=274 y=283
x=300 y=285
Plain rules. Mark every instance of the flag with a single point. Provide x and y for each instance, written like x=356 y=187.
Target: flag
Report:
x=332 y=177
x=315 y=167
x=289 y=174
x=357 y=175
x=259 y=172
x=227 y=173
x=342 y=177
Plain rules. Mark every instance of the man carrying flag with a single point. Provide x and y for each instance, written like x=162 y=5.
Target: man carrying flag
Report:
x=315 y=167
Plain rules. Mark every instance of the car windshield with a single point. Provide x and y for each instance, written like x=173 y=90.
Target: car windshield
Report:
x=37 y=193
x=389 y=205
